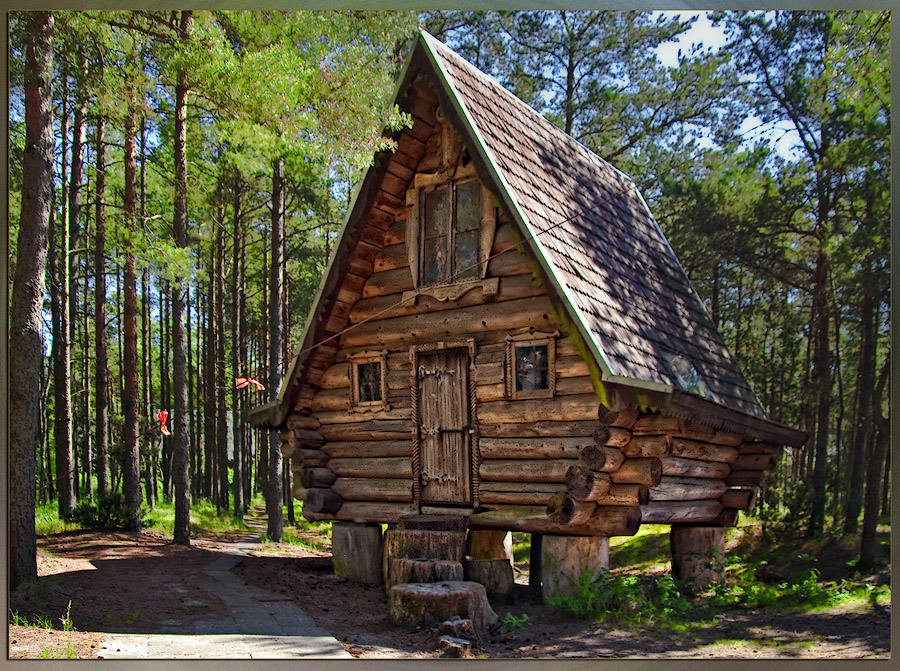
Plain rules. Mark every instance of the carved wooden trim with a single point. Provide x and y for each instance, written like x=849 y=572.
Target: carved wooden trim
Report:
x=488 y=228
x=453 y=292
x=530 y=340
x=355 y=361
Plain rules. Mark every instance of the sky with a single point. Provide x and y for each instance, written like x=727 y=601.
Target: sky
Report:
x=783 y=137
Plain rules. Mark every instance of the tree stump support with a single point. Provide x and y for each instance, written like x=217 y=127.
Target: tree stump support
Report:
x=565 y=559
x=698 y=554
x=356 y=551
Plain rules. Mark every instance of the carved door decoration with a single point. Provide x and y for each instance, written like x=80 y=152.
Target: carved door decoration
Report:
x=444 y=416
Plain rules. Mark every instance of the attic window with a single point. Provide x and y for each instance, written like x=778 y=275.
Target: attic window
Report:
x=368 y=389
x=687 y=377
x=451 y=233
x=531 y=365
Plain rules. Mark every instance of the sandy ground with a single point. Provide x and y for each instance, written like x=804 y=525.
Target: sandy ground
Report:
x=137 y=583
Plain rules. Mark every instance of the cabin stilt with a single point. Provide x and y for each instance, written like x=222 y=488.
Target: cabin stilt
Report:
x=356 y=551
x=565 y=559
x=698 y=554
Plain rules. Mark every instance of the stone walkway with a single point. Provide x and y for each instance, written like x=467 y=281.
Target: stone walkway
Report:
x=259 y=625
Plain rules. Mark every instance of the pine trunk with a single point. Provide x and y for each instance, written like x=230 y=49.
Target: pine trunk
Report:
x=131 y=483
x=181 y=476
x=26 y=345
x=274 y=494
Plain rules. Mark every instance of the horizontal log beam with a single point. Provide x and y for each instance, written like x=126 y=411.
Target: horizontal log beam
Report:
x=524 y=470
x=563 y=408
x=369 y=449
x=373 y=429
x=625 y=495
x=532 y=448
x=671 y=512
x=542 y=429
x=740 y=499
x=691 y=449
x=694 y=468
x=371 y=489
x=523 y=312
x=385 y=467
x=672 y=488
x=648 y=446
x=361 y=512
x=647 y=472
x=518 y=493
x=608 y=521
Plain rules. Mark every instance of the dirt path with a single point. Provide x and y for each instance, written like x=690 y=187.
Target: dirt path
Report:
x=141 y=583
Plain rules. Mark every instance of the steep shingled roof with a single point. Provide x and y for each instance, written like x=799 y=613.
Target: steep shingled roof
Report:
x=601 y=242
x=599 y=247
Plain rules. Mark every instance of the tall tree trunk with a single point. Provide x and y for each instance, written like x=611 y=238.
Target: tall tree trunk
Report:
x=236 y=288
x=131 y=482
x=247 y=454
x=75 y=178
x=88 y=480
x=209 y=409
x=865 y=384
x=274 y=495
x=165 y=383
x=192 y=435
x=26 y=343
x=182 y=533
x=62 y=399
x=873 y=474
x=221 y=418
x=822 y=379
x=148 y=438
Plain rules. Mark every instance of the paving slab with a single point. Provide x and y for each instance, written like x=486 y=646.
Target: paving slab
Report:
x=259 y=624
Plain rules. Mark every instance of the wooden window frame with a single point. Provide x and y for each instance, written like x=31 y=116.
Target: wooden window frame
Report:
x=513 y=342
x=452 y=185
x=363 y=358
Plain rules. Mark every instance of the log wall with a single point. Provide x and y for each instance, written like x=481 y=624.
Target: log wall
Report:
x=564 y=464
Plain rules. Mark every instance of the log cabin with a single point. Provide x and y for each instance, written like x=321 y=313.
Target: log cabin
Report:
x=505 y=334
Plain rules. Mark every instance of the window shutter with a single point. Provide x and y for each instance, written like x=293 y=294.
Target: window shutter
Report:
x=412 y=235
x=488 y=228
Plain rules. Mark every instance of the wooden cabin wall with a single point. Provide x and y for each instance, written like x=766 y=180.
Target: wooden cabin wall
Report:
x=562 y=464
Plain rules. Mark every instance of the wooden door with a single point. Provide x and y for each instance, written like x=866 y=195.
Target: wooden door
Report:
x=444 y=442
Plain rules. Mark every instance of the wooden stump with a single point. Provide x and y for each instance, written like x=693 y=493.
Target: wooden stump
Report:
x=356 y=551
x=698 y=554
x=421 y=544
x=423 y=570
x=489 y=544
x=426 y=604
x=565 y=559
x=495 y=574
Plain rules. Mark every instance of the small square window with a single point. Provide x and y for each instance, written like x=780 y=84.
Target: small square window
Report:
x=368 y=388
x=369 y=382
x=532 y=368
x=531 y=365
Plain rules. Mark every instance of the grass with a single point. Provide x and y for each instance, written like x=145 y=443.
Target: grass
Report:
x=204 y=519
x=640 y=590
x=47 y=521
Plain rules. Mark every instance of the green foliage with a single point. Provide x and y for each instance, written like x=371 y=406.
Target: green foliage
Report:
x=39 y=621
x=512 y=622
x=66 y=620
x=110 y=512
x=626 y=599
x=204 y=519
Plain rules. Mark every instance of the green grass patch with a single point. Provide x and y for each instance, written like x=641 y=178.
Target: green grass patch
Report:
x=47 y=521
x=204 y=519
x=650 y=545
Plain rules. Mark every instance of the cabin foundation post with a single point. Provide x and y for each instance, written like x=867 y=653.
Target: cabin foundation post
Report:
x=489 y=544
x=356 y=551
x=698 y=554
x=565 y=559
